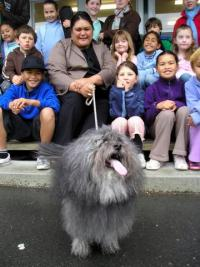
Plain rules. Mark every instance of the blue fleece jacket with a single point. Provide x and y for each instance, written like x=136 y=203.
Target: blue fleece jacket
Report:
x=192 y=92
x=47 y=36
x=45 y=93
x=126 y=103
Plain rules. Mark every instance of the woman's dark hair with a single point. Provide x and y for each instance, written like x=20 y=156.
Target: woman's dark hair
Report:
x=129 y=65
x=81 y=15
x=156 y=35
x=167 y=52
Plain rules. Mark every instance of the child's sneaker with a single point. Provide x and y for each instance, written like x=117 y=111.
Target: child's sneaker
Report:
x=153 y=164
x=42 y=163
x=4 y=157
x=194 y=166
x=180 y=163
x=142 y=160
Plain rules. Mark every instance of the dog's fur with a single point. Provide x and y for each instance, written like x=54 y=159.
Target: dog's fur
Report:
x=98 y=203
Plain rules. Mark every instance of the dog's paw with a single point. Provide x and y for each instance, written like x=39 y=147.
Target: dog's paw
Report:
x=110 y=247
x=80 y=248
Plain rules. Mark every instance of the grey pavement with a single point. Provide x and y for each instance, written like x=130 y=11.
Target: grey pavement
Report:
x=23 y=173
x=166 y=233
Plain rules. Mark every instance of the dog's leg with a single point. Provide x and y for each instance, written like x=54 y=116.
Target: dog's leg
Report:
x=110 y=246
x=80 y=248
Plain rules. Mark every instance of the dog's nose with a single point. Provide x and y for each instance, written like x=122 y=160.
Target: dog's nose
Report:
x=117 y=147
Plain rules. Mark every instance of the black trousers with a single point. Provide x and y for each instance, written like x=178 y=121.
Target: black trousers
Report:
x=75 y=117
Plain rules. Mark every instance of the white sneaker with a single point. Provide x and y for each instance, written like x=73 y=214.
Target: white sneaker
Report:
x=142 y=160
x=180 y=163
x=42 y=163
x=4 y=157
x=153 y=164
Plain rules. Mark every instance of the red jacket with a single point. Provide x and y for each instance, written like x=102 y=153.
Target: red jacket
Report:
x=183 y=19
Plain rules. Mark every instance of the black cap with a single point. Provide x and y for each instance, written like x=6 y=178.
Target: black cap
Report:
x=32 y=62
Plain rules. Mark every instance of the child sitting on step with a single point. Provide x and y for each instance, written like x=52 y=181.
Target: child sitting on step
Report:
x=27 y=110
x=166 y=111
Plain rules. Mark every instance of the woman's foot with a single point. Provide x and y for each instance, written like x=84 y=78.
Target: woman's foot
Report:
x=180 y=163
x=142 y=160
x=153 y=164
x=194 y=166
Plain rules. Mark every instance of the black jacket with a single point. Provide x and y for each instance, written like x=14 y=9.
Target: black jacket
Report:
x=16 y=12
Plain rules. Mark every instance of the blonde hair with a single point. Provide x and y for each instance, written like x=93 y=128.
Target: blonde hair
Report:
x=191 y=49
x=124 y=35
x=194 y=57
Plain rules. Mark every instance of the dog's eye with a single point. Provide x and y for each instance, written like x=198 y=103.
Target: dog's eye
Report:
x=98 y=142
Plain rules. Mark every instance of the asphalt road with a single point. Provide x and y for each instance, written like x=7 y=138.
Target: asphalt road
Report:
x=166 y=233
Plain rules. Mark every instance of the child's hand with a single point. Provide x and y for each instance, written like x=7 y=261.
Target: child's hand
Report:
x=124 y=56
x=118 y=55
x=66 y=23
x=124 y=84
x=166 y=105
x=17 y=79
x=190 y=121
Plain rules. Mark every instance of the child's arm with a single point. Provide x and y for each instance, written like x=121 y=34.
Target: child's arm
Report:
x=19 y=104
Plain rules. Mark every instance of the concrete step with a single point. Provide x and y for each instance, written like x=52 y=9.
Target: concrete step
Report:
x=30 y=146
x=167 y=179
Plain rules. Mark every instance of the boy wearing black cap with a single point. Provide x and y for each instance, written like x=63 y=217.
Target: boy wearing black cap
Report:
x=27 y=111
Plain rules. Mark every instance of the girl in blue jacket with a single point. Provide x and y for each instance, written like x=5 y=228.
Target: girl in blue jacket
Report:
x=127 y=106
x=192 y=92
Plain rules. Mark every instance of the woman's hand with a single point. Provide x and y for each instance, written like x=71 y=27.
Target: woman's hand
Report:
x=83 y=86
x=87 y=90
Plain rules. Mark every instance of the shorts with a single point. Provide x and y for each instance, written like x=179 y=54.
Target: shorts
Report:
x=21 y=129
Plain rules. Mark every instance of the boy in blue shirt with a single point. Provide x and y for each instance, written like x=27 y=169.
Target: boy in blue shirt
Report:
x=51 y=31
x=27 y=110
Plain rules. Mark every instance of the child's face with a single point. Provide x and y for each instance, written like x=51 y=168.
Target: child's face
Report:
x=151 y=43
x=93 y=7
x=183 y=39
x=167 y=66
x=196 y=68
x=154 y=28
x=126 y=78
x=121 y=45
x=190 y=4
x=7 y=33
x=26 y=42
x=50 y=12
x=32 y=78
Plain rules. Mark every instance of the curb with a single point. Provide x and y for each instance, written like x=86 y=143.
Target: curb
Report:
x=167 y=179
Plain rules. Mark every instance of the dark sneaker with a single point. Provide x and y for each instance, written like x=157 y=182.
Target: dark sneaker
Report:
x=4 y=157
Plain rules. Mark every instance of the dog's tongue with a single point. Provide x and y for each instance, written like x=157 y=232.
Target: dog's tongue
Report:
x=118 y=167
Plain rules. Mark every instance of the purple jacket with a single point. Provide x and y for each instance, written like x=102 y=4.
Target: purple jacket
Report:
x=159 y=91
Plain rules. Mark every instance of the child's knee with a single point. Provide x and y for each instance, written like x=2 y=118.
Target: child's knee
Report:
x=47 y=114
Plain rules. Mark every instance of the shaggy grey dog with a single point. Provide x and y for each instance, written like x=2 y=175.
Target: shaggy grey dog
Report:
x=99 y=176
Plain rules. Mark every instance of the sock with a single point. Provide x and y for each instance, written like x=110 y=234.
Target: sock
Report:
x=138 y=143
